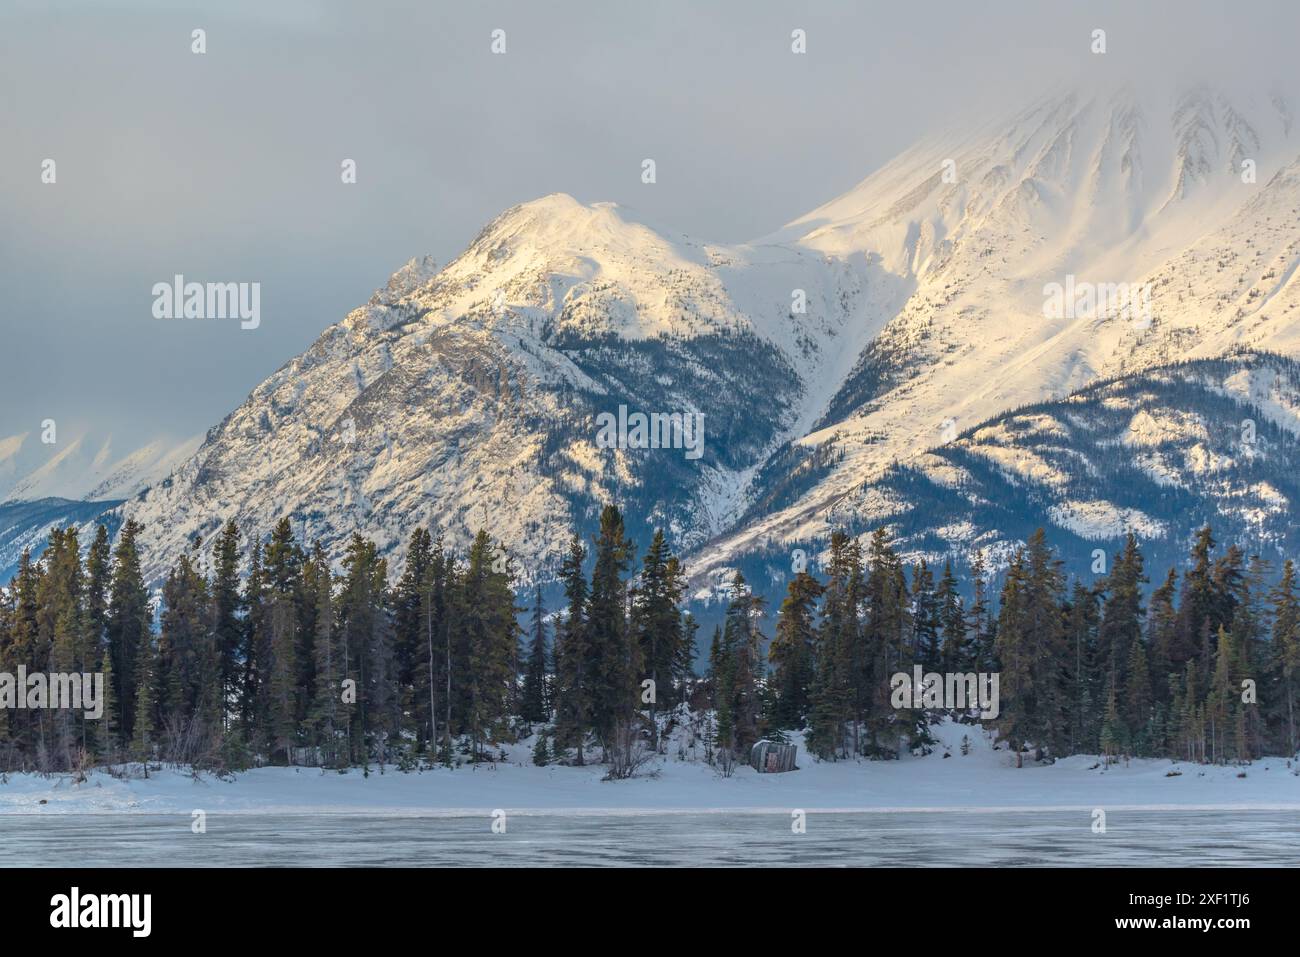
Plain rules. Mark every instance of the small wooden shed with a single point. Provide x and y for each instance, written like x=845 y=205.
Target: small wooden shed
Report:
x=769 y=757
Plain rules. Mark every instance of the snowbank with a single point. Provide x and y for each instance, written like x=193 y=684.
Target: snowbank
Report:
x=983 y=780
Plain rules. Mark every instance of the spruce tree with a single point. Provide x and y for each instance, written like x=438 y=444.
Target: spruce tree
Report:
x=533 y=697
x=657 y=624
x=791 y=653
x=575 y=678
x=128 y=626
x=887 y=649
x=327 y=719
x=433 y=676
x=1084 y=676
x=615 y=659
x=981 y=626
x=277 y=691
x=842 y=657
x=739 y=690
x=490 y=636
x=410 y=646
x=143 y=724
x=955 y=656
x=187 y=681
x=228 y=629
x=1140 y=705
x=925 y=619
x=1284 y=666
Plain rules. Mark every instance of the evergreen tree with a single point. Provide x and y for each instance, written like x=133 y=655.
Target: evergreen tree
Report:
x=1221 y=700
x=1140 y=705
x=955 y=655
x=925 y=619
x=128 y=625
x=722 y=693
x=1162 y=625
x=740 y=684
x=575 y=677
x=1284 y=666
x=188 y=667
x=410 y=620
x=1083 y=678
x=792 y=651
x=490 y=637
x=227 y=626
x=59 y=627
x=533 y=698
x=657 y=624
x=541 y=757
x=328 y=721
x=981 y=624
x=615 y=661
x=255 y=647
x=842 y=683
x=142 y=733
x=1114 y=736
x=277 y=692
x=1121 y=616
x=887 y=648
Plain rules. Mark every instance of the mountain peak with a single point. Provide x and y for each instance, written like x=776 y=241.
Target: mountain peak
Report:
x=465 y=396
x=415 y=273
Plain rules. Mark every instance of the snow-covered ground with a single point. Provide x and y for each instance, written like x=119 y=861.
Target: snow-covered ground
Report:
x=983 y=780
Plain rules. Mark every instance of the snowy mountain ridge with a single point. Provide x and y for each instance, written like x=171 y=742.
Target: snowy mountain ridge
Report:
x=852 y=341
x=84 y=467
x=1105 y=191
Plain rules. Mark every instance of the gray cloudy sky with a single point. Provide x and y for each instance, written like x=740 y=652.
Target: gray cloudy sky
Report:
x=225 y=167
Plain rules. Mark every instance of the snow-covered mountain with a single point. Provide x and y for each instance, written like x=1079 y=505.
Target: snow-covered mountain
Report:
x=1157 y=453
x=1096 y=190
x=823 y=357
x=83 y=466
x=75 y=480
x=469 y=397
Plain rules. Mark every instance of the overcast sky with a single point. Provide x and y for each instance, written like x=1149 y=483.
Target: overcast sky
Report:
x=226 y=166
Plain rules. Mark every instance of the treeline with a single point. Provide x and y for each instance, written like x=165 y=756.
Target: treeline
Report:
x=1208 y=670
x=257 y=651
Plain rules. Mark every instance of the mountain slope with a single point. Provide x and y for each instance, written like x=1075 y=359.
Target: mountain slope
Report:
x=76 y=480
x=1157 y=453
x=824 y=357
x=26 y=526
x=83 y=467
x=1089 y=189
x=470 y=397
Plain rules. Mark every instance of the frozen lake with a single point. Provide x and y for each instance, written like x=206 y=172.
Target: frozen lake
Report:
x=1165 y=837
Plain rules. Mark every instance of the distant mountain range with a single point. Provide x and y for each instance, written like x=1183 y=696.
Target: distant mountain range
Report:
x=75 y=479
x=892 y=357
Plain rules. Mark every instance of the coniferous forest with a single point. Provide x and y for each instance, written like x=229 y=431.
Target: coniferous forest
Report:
x=256 y=652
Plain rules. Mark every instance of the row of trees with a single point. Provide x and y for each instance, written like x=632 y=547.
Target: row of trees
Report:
x=1207 y=670
x=258 y=651
x=270 y=656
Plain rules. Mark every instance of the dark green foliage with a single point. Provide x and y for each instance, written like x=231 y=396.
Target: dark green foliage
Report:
x=532 y=699
x=301 y=664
